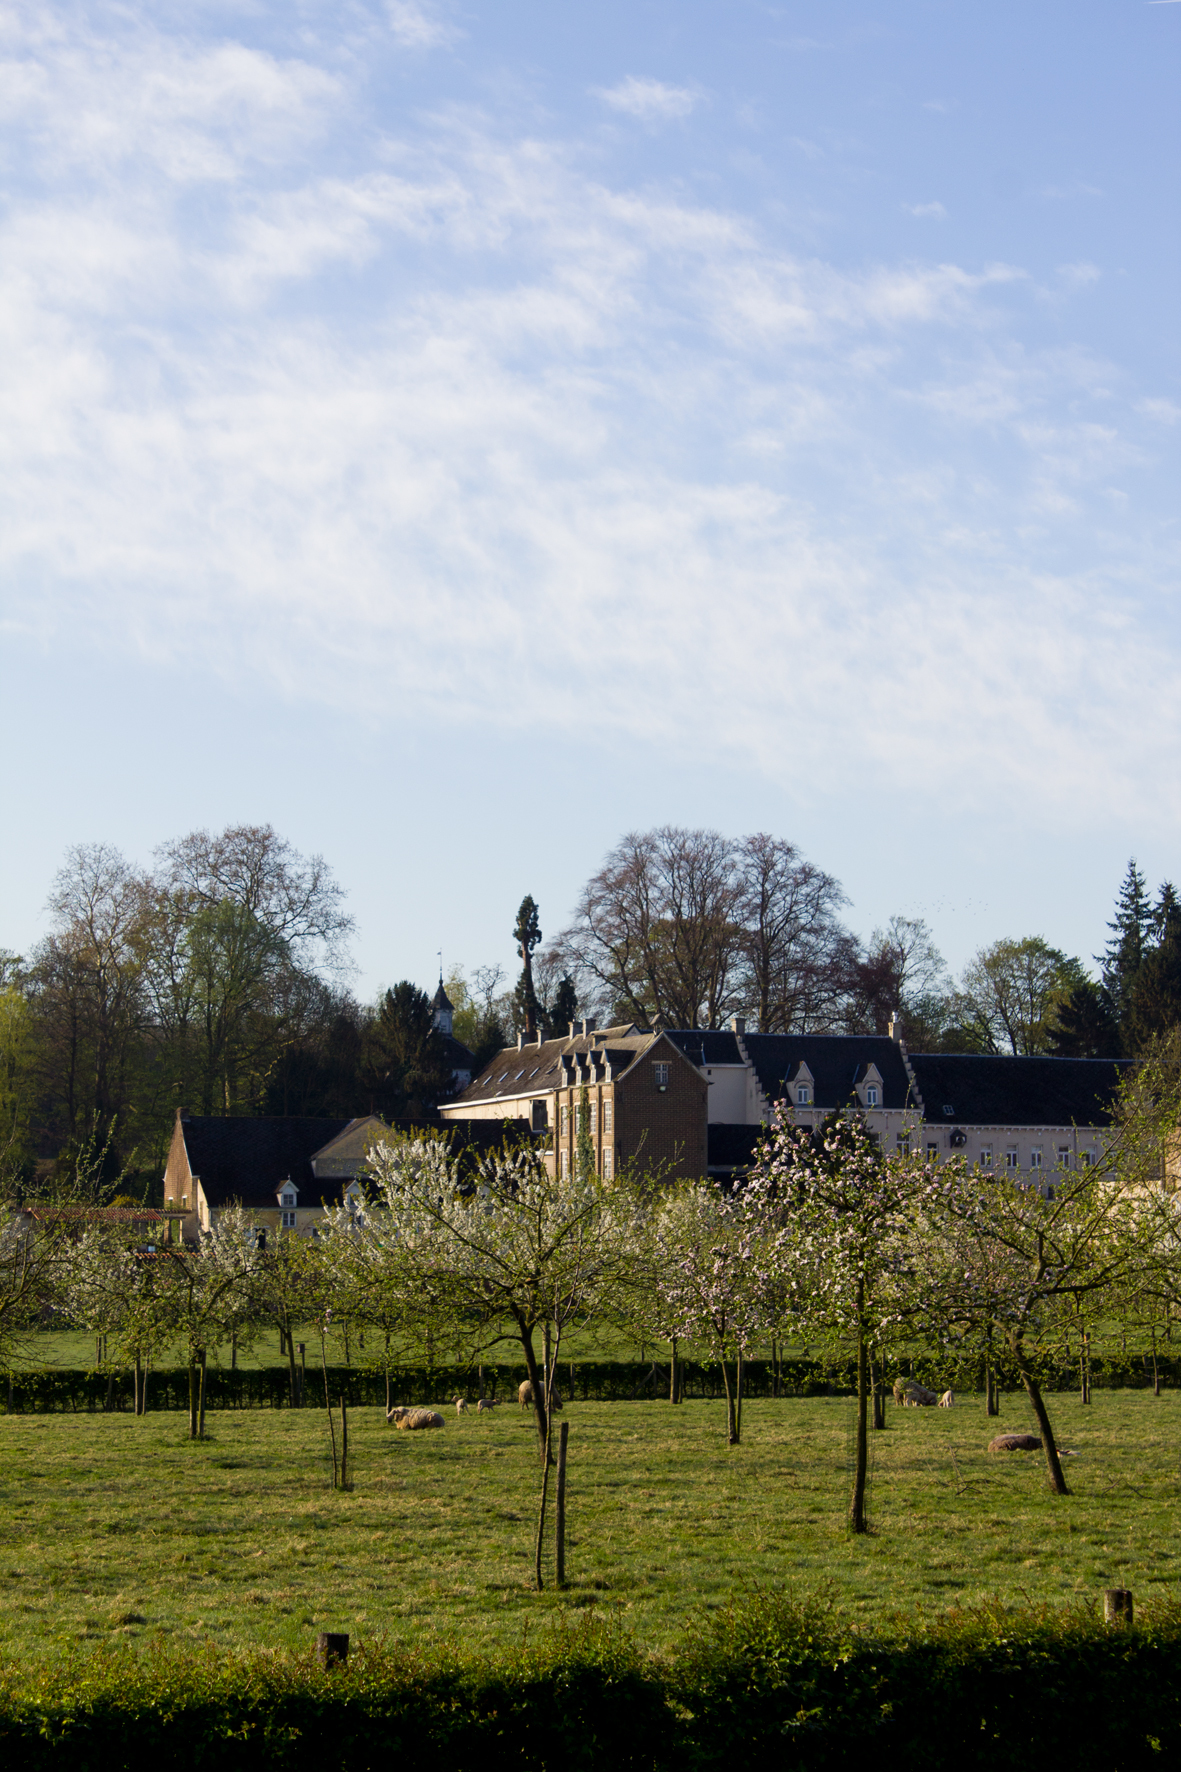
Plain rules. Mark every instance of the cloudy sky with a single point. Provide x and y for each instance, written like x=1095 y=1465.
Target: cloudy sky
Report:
x=460 y=433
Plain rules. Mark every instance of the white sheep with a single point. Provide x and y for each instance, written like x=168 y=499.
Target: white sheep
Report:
x=410 y=1419
x=525 y=1396
x=461 y=1405
x=485 y=1403
x=947 y=1400
x=917 y=1396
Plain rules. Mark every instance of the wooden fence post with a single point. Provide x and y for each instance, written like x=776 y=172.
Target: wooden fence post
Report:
x=1117 y=1605
x=560 y=1506
x=332 y=1648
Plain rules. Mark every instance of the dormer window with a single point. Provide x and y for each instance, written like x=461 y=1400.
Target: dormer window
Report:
x=872 y=1095
x=803 y=1095
x=287 y=1199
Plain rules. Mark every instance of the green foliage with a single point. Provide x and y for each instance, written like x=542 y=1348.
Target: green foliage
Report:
x=777 y=1681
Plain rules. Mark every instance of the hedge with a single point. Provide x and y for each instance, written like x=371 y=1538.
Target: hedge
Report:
x=772 y=1684
x=50 y=1389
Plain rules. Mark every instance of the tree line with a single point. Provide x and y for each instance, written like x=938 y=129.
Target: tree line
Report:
x=217 y=981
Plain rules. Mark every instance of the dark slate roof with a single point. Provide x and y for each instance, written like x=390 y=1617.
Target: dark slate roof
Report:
x=836 y=1061
x=241 y=1159
x=733 y=1147
x=986 y=1091
x=456 y=1053
x=707 y=1046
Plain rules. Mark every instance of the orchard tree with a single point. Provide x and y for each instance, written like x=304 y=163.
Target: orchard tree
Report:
x=714 y=1262
x=846 y=1251
x=208 y=1292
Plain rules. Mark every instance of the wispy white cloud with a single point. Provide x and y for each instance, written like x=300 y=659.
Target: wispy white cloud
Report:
x=417 y=26
x=927 y=211
x=1080 y=274
x=613 y=446
x=650 y=101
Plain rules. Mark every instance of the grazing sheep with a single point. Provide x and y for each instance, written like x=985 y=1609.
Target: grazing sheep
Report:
x=461 y=1405
x=947 y=1400
x=525 y=1396
x=410 y=1419
x=485 y=1403
x=918 y=1397
x=1015 y=1443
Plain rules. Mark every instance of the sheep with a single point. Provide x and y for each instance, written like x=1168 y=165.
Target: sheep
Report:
x=947 y=1400
x=1015 y=1443
x=460 y=1405
x=918 y=1397
x=525 y=1396
x=410 y=1419
x=485 y=1403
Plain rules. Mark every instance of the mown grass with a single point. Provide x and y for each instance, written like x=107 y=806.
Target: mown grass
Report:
x=113 y=1529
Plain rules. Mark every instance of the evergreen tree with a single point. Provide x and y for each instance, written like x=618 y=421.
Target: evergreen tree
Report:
x=562 y=1010
x=1153 y=1005
x=1131 y=935
x=527 y=934
x=1084 y=1024
x=409 y=1072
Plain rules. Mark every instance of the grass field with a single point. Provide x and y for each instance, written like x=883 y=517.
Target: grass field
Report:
x=113 y=1528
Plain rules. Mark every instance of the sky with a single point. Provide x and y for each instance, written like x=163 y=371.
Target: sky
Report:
x=458 y=434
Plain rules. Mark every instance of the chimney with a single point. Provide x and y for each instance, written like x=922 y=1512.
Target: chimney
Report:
x=573 y=1030
x=520 y=1042
x=588 y=1026
x=894 y=1027
x=738 y=1024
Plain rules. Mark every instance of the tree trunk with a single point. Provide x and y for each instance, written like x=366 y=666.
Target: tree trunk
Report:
x=857 y=1520
x=328 y=1407
x=1084 y=1363
x=192 y=1393
x=234 y=1351
x=344 y=1444
x=877 y=1384
x=674 y=1388
x=560 y=1508
x=526 y=1337
x=1155 y=1368
x=774 y=1368
x=739 y=1387
x=292 y=1380
x=201 y=1400
x=540 y=1543
x=138 y=1382
x=731 y=1416
x=1049 y=1444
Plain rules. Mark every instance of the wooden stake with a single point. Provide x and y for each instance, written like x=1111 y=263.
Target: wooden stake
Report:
x=560 y=1505
x=344 y=1443
x=332 y=1648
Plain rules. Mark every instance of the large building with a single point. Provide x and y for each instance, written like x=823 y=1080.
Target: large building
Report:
x=284 y=1172
x=692 y=1101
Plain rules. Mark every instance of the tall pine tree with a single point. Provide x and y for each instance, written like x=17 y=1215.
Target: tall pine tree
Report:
x=1131 y=936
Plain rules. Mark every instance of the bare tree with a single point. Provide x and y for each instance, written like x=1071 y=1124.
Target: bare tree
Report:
x=795 y=949
x=901 y=973
x=657 y=932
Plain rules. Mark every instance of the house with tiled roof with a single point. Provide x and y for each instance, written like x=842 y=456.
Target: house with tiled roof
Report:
x=283 y=1171
x=645 y=1099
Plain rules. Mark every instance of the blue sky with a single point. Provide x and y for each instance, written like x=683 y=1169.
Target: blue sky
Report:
x=458 y=434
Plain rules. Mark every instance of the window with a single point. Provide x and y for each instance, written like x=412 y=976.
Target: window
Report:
x=661 y=1071
x=1064 y=1156
x=607 y=1116
x=287 y=1200
x=594 y=1118
x=577 y=1120
x=1011 y=1158
x=540 y=1116
x=932 y=1153
x=902 y=1142
x=872 y=1095
x=1085 y=1159
x=564 y=1118
x=288 y=1220
x=1035 y=1157
x=607 y=1161
x=803 y=1095
x=986 y=1157
x=565 y=1165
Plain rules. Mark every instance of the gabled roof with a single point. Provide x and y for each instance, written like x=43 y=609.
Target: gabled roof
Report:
x=983 y=1090
x=838 y=1062
x=246 y=1159
x=343 y=1155
x=536 y=1069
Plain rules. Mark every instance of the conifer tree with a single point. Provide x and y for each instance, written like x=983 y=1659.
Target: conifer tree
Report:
x=1131 y=935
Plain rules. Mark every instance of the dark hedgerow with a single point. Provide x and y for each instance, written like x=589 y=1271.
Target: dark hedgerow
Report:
x=84 y=1390
x=774 y=1683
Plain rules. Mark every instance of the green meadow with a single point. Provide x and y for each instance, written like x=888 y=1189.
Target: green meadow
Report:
x=118 y=1529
